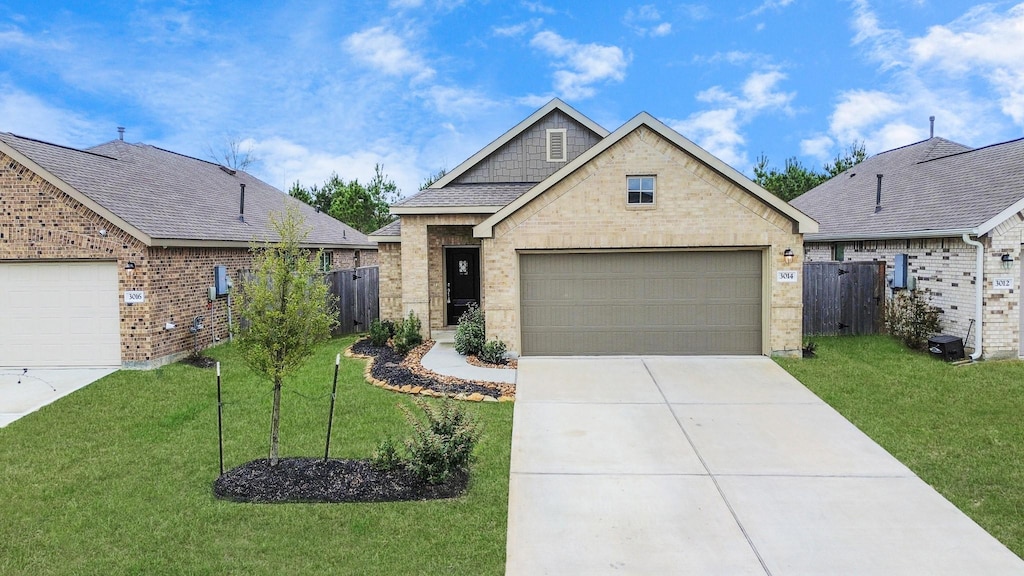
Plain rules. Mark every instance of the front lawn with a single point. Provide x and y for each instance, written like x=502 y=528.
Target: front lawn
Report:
x=116 y=479
x=961 y=429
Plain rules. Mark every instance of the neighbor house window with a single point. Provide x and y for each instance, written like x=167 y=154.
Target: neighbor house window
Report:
x=326 y=261
x=640 y=190
x=556 y=145
x=837 y=252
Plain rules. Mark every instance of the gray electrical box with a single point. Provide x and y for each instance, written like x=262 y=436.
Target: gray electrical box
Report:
x=220 y=276
x=899 y=275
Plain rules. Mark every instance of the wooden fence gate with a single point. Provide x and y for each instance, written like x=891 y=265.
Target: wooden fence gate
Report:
x=844 y=298
x=358 y=298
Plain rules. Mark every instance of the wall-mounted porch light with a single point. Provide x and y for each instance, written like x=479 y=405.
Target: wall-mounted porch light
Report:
x=129 y=268
x=788 y=255
x=1007 y=261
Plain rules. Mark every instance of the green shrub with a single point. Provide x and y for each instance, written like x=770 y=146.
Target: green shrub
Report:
x=389 y=325
x=378 y=333
x=387 y=456
x=407 y=334
x=470 y=335
x=443 y=444
x=493 y=352
x=910 y=319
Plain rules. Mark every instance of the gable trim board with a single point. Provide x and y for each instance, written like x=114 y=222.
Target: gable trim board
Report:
x=400 y=210
x=554 y=104
x=805 y=224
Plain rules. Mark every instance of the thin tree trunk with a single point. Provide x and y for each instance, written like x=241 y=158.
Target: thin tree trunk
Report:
x=275 y=419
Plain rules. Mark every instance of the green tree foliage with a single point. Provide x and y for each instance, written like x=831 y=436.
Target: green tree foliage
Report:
x=288 y=306
x=363 y=207
x=429 y=180
x=795 y=178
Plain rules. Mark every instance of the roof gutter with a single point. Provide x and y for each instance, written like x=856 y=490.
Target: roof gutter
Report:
x=948 y=233
x=979 y=291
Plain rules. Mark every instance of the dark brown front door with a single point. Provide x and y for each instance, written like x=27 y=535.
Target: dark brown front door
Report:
x=463 y=281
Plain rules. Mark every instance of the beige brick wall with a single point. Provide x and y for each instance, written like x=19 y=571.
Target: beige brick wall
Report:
x=40 y=222
x=945 y=272
x=438 y=238
x=390 y=255
x=695 y=208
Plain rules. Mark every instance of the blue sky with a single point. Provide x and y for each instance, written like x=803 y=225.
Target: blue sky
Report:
x=417 y=85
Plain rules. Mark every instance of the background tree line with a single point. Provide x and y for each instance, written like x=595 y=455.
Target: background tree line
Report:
x=795 y=178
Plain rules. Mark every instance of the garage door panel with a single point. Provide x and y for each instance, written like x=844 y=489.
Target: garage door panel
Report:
x=641 y=303
x=59 y=314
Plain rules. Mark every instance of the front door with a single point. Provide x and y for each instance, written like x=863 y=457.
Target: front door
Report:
x=462 y=281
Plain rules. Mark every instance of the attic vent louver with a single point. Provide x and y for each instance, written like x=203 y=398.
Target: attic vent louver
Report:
x=556 y=145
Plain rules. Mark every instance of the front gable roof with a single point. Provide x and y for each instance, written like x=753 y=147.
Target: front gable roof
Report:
x=805 y=224
x=168 y=199
x=933 y=188
x=472 y=188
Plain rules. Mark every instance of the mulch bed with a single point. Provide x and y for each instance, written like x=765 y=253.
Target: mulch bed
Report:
x=405 y=371
x=199 y=361
x=510 y=363
x=336 y=480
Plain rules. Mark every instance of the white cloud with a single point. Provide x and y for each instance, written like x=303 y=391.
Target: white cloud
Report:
x=580 y=66
x=938 y=73
x=515 y=30
x=384 y=50
x=769 y=5
x=695 y=12
x=405 y=4
x=28 y=115
x=819 y=147
x=538 y=7
x=718 y=130
x=456 y=101
x=283 y=162
x=646 y=20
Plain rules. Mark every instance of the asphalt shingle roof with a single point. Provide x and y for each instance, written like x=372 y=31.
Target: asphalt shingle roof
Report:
x=489 y=194
x=392 y=229
x=928 y=186
x=174 y=197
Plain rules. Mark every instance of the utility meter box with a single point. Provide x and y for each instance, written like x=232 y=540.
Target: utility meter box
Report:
x=899 y=275
x=221 y=283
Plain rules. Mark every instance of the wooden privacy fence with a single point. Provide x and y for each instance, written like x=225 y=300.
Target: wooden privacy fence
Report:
x=844 y=298
x=358 y=298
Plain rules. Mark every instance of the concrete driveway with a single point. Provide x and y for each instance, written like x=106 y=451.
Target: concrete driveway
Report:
x=683 y=465
x=23 y=391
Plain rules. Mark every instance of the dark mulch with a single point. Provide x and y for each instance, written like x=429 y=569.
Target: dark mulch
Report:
x=387 y=367
x=200 y=361
x=314 y=480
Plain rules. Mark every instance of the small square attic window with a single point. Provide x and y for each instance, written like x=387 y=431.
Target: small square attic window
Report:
x=640 y=190
x=556 y=144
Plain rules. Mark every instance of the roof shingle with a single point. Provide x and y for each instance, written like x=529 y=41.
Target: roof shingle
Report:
x=169 y=196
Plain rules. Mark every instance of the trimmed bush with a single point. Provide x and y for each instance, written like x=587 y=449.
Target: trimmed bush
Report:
x=910 y=319
x=443 y=444
x=493 y=352
x=387 y=456
x=469 y=335
x=379 y=334
x=407 y=334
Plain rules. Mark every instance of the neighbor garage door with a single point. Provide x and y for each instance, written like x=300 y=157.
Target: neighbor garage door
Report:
x=641 y=303
x=59 y=314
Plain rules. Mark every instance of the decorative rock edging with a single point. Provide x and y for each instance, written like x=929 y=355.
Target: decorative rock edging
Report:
x=502 y=392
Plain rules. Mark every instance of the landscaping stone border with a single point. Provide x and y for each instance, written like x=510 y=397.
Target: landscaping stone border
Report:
x=428 y=383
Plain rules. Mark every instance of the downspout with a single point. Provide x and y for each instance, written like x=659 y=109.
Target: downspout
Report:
x=979 y=288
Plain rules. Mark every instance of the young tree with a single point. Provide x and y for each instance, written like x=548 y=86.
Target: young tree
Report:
x=429 y=180
x=288 y=307
x=855 y=154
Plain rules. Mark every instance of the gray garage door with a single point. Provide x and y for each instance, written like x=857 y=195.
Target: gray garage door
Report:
x=641 y=303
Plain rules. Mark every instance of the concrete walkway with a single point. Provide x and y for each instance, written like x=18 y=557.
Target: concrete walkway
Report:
x=715 y=466
x=443 y=359
x=25 y=391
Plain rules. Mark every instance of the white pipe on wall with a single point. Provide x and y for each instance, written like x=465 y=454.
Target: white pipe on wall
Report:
x=979 y=289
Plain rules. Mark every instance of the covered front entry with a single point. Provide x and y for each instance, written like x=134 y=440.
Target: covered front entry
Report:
x=659 y=302
x=59 y=314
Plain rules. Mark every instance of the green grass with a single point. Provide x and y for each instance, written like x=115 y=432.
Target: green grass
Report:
x=961 y=429
x=116 y=479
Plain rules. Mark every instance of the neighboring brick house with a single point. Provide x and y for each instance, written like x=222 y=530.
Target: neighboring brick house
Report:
x=575 y=240
x=84 y=231
x=936 y=202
